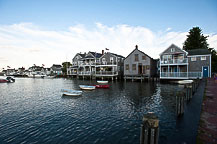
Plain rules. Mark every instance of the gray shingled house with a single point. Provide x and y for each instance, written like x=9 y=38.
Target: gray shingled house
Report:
x=110 y=65
x=139 y=65
x=176 y=63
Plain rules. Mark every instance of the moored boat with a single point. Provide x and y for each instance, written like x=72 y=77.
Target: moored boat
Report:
x=103 y=82
x=68 y=92
x=86 y=87
x=102 y=86
x=7 y=79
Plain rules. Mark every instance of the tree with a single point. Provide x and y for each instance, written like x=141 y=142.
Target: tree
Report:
x=65 y=66
x=214 y=59
x=196 y=40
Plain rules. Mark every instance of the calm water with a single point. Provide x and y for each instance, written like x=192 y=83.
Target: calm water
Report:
x=33 y=111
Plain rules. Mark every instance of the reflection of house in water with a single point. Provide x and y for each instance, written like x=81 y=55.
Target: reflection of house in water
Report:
x=138 y=65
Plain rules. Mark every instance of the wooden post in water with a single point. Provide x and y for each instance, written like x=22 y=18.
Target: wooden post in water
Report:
x=187 y=94
x=190 y=91
x=149 y=129
x=180 y=103
x=193 y=87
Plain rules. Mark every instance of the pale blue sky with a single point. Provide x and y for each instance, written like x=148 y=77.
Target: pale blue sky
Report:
x=180 y=15
x=52 y=31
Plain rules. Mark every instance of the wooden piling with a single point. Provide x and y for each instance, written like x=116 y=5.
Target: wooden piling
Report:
x=149 y=129
x=187 y=92
x=180 y=103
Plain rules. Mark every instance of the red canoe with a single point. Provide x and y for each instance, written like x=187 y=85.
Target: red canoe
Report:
x=102 y=86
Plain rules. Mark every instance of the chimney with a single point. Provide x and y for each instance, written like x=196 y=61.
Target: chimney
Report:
x=136 y=46
x=102 y=52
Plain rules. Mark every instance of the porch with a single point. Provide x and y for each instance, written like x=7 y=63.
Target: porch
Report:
x=180 y=75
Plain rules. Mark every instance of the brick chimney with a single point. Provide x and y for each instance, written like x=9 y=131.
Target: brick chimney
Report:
x=136 y=46
x=102 y=52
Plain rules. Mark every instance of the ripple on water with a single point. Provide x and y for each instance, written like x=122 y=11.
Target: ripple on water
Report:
x=33 y=111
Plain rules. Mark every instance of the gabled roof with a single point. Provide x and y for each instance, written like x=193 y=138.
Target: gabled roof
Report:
x=198 y=52
x=172 y=46
x=117 y=55
x=82 y=55
x=95 y=54
x=56 y=65
x=139 y=51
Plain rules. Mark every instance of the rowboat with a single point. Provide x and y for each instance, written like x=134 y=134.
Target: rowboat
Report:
x=102 y=86
x=102 y=82
x=86 y=87
x=68 y=92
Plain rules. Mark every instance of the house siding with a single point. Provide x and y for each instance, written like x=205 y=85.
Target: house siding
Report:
x=196 y=66
x=140 y=64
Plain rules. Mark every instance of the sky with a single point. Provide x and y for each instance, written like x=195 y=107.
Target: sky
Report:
x=53 y=31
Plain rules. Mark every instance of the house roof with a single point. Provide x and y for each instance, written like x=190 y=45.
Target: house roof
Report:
x=118 y=55
x=56 y=66
x=172 y=46
x=139 y=51
x=82 y=55
x=198 y=52
x=97 y=55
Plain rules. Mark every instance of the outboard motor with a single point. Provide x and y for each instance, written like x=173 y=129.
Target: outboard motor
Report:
x=10 y=79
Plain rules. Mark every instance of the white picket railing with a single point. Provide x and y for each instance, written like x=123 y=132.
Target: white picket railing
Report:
x=180 y=75
x=175 y=61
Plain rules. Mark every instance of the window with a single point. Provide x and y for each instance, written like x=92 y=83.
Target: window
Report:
x=169 y=57
x=143 y=57
x=172 y=49
x=193 y=58
x=147 y=67
x=203 y=57
x=111 y=59
x=134 y=66
x=127 y=67
x=136 y=57
x=144 y=69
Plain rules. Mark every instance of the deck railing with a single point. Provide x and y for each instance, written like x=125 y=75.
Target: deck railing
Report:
x=175 y=61
x=98 y=73
x=180 y=75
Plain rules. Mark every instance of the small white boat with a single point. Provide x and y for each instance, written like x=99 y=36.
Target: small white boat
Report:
x=185 y=82
x=103 y=82
x=68 y=92
x=86 y=87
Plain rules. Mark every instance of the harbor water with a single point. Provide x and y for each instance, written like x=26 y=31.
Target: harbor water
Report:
x=34 y=111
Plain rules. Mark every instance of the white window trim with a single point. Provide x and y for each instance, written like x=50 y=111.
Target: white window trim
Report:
x=201 y=58
x=195 y=58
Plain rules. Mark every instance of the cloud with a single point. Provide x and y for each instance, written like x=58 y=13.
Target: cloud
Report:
x=25 y=44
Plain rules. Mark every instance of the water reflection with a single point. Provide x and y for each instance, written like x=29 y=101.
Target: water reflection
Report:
x=34 y=111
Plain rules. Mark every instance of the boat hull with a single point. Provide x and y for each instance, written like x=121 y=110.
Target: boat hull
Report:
x=102 y=86
x=71 y=94
x=102 y=82
x=85 y=87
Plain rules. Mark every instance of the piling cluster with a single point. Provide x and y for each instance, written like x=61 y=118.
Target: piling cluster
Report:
x=150 y=125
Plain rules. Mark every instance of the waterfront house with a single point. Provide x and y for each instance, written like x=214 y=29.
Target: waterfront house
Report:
x=10 y=71
x=176 y=63
x=138 y=65
x=35 y=70
x=87 y=64
x=76 y=61
x=56 y=69
x=84 y=64
x=110 y=65
x=199 y=60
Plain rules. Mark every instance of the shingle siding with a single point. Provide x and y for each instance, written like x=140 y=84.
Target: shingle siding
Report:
x=196 y=66
x=148 y=62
